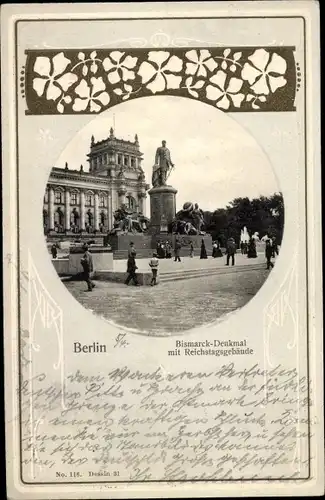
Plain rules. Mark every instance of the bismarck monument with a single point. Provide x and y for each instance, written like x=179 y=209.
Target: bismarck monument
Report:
x=162 y=196
x=165 y=223
x=187 y=224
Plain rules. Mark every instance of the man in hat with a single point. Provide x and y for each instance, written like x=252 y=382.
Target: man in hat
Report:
x=132 y=251
x=231 y=250
x=177 y=250
x=131 y=266
x=87 y=264
x=269 y=254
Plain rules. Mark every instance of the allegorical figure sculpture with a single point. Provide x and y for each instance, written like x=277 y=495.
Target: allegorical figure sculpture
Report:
x=198 y=217
x=129 y=221
x=189 y=220
x=162 y=167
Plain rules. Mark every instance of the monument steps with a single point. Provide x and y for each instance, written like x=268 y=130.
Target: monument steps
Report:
x=182 y=274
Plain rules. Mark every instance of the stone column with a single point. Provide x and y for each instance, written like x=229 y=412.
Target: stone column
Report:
x=67 y=210
x=109 y=211
x=142 y=202
x=82 y=210
x=51 y=209
x=96 y=213
x=121 y=194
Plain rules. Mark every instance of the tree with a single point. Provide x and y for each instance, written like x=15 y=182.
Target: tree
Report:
x=264 y=215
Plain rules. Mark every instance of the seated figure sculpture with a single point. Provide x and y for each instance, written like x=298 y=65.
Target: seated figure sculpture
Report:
x=189 y=220
x=129 y=221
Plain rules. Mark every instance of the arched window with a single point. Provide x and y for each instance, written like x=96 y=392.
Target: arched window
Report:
x=131 y=203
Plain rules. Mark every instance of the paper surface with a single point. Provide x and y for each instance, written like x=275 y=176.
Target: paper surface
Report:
x=190 y=132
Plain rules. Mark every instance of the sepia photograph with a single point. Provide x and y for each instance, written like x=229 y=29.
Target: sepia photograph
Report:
x=191 y=222
x=162 y=250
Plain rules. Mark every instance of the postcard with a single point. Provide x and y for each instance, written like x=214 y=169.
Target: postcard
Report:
x=162 y=250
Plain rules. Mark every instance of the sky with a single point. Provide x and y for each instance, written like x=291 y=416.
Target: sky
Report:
x=216 y=159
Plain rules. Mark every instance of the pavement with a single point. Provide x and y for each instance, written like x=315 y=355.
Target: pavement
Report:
x=175 y=306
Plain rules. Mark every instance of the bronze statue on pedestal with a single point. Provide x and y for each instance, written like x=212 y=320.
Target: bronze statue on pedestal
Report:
x=162 y=167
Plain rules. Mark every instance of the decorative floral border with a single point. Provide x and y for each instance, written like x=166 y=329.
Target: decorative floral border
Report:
x=90 y=81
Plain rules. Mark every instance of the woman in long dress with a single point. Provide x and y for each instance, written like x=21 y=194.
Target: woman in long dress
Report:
x=251 y=253
x=203 y=254
x=216 y=250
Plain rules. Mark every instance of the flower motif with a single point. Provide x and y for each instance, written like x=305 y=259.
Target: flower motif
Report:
x=222 y=95
x=264 y=71
x=52 y=80
x=200 y=60
x=93 y=95
x=159 y=71
x=45 y=135
x=118 y=68
x=190 y=86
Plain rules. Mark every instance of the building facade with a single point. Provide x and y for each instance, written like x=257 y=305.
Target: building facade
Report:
x=77 y=201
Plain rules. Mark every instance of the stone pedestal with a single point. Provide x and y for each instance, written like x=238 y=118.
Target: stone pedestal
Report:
x=162 y=207
x=120 y=244
x=102 y=259
x=122 y=241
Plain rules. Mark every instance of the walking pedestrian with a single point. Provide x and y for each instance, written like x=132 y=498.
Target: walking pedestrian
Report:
x=132 y=251
x=154 y=264
x=177 y=250
x=131 y=270
x=231 y=250
x=251 y=252
x=275 y=249
x=87 y=265
x=269 y=254
x=215 y=248
x=54 y=251
x=168 y=250
x=191 y=250
x=218 y=252
x=163 y=250
x=203 y=254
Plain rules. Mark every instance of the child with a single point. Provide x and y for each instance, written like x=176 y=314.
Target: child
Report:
x=154 y=263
